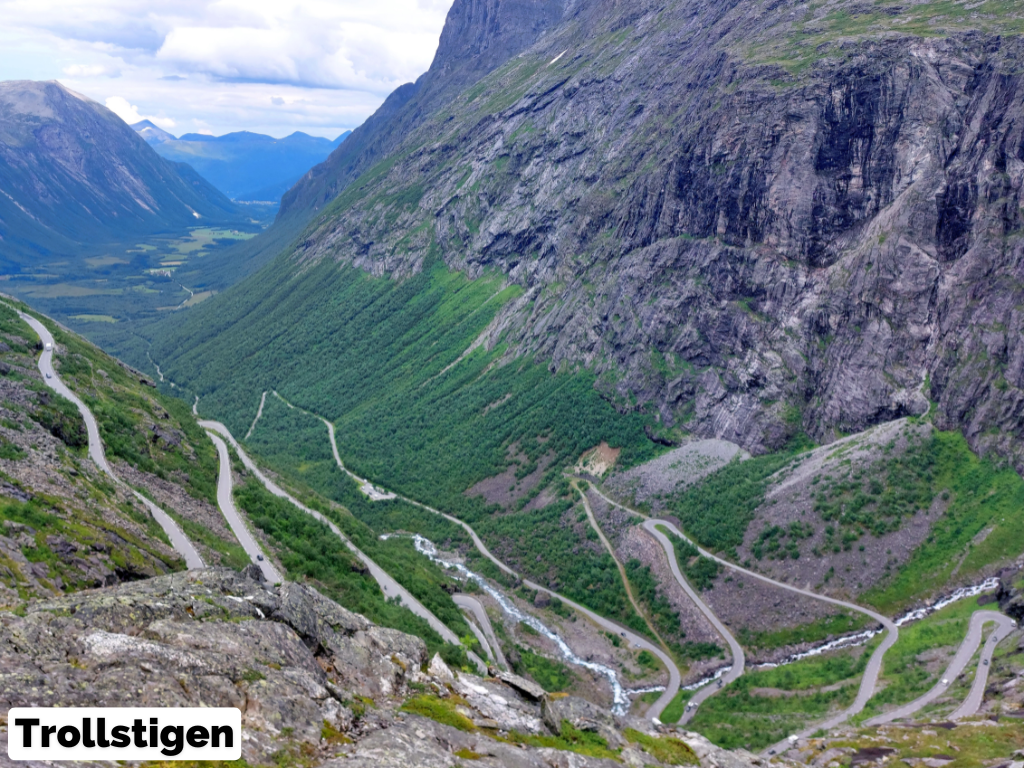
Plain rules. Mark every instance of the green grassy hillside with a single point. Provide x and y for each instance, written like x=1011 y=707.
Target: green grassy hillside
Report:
x=390 y=363
x=64 y=526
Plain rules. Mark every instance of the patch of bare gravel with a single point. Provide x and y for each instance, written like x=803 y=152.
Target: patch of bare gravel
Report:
x=505 y=488
x=743 y=603
x=674 y=470
x=614 y=521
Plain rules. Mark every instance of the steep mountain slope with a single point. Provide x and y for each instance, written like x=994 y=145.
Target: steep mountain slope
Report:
x=63 y=525
x=317 y=684
x=748 y=219
x=742 y=250
x=826 y=208
x=155 y=444
x=244 y=166
x=478 y=36
x=74 y=177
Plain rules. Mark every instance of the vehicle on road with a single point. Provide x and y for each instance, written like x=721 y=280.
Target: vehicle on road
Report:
x=47 y=347
x=49 y=375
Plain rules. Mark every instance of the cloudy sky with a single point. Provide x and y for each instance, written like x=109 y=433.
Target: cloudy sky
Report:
x=215 y=66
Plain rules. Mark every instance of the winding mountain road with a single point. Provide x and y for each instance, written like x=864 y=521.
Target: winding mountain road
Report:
x=375 y=493
x=874 y=666
x=390 y=587
x=178 y=540
x=227 y=507
x=474 y=606
x=738 y=657
x=1004 y=626
x=869 y=680
x=259 y=414
x=622 y=570
x=964 y=654
x=637 y=641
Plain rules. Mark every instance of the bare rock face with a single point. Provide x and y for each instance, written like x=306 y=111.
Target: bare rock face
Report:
x=205 y=638
x=478 y=37
x=426 y=744
x=312 y=679
x=1011 y=601
x=581 y=715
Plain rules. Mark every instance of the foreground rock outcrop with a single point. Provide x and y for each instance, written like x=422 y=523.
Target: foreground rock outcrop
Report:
x=313 y=681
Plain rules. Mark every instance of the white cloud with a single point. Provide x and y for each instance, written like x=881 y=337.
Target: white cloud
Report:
x=92 y=70
x=314 y=43
x=273 y=66
x=306 y=47
x=130 y=113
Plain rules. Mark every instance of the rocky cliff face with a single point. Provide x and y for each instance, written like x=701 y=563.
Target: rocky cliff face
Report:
x=751 y=219
x=478 y=36
x=317 y=685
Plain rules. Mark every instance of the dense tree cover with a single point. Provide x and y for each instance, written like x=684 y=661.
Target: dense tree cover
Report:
x=298 y=444
x=749 y=713
x=550 y=547
x=717 y=510
x=547 y=545
x=309 y=549
x=664 y=616
x=388 y=362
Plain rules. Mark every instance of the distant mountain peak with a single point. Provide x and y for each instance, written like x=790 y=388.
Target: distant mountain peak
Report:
x=244 y=165
x=153 y=134
x=75 y=174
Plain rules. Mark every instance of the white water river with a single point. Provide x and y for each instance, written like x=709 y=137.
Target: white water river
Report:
x=620 y=695
x=850 y=641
